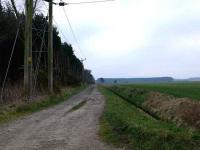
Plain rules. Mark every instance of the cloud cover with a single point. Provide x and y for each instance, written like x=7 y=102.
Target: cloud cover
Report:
x=135 y=38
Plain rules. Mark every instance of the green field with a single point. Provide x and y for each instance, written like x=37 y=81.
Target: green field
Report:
x=125 y=125
x=180 y=90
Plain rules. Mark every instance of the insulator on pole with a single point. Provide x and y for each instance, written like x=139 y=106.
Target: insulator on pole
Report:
x=62 y=4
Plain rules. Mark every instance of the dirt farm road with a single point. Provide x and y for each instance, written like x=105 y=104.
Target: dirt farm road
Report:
x=57 y=129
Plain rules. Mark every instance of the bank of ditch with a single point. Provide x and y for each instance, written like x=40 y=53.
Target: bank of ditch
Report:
x=182 y=111
x=125 y=125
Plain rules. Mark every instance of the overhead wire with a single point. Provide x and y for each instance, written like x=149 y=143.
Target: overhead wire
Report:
x=39 y=58
x=72 y=32
x=71 y=29
x=43 y=43
x=56 y=24
x=89 y=2
x=34 y=28
x=9 y=63
x=10 y=59
x=86 y=2
x=60 y=30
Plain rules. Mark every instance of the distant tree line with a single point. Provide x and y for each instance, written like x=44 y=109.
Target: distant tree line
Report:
x=135 y=80
x=68 y=69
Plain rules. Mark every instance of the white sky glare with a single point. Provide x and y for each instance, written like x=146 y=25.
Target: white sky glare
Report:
x=135 y=38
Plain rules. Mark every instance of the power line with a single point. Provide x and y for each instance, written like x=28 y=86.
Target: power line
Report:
x=56 y=24
x=60 y=30
x=72 y=31
x=38 y=31
x=39 y=57
x=66 y=38
x=9 y=63
x=88 y=2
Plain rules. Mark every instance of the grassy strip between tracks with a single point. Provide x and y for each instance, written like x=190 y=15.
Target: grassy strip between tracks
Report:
x=124 y=125
x=8 y=113
x=76 y=107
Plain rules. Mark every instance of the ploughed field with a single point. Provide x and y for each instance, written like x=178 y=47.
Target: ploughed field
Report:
x=153 y=116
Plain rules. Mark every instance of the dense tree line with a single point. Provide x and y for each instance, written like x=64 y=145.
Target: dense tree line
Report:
x=68 y=69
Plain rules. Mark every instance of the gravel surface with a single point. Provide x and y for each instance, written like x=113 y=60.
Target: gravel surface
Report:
x=56 y=128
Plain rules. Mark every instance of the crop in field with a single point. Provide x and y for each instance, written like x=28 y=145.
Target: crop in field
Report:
x=179 y=90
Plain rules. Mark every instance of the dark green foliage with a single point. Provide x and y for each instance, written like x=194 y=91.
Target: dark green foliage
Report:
x=8 y=27
x=68 y=69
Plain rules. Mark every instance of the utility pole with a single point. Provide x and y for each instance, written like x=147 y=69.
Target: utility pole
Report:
x=28 y=49
x=50 y=49
x=50 y=39
x=0 y=11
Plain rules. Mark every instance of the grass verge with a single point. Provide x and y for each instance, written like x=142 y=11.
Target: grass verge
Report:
x=11 y=113
x=124 y=125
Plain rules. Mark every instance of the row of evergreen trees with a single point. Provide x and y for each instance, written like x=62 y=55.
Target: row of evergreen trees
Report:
x=68 y=69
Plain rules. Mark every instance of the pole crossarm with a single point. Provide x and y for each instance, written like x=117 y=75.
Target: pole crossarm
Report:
x=51 y=1
x=61 y=3
x=88 y=2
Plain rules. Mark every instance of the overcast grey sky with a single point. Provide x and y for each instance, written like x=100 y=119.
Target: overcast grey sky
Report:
x=135 y=38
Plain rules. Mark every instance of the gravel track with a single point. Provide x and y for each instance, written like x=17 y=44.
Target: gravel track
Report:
x=56 y=129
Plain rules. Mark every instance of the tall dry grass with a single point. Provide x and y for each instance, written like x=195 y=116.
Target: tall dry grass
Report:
x=14 y=93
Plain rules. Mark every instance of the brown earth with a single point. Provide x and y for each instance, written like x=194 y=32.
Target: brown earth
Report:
x=183 y=111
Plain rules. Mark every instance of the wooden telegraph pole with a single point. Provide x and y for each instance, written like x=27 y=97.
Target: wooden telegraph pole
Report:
x=50 y=39
x=50 y=49
x=28 y=49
